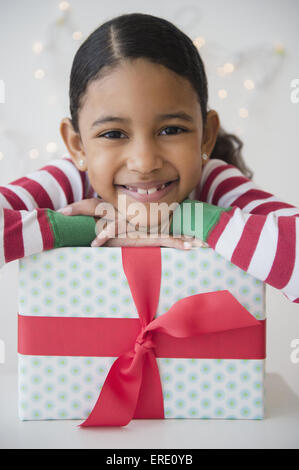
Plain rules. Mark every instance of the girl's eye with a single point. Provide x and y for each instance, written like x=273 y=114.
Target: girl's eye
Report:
x=110 y=132
x=119 y=132
x=174 y=127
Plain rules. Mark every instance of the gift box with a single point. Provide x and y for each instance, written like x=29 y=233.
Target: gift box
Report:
x=111 y=334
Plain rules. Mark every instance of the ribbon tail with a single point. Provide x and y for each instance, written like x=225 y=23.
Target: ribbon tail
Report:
x=150 y=403
x=117 y=401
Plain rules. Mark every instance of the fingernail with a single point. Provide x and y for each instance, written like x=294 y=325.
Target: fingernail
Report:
x=102 y=234
x=65 y=210
x=187 y=245
x=94 y=242
x=199 y=243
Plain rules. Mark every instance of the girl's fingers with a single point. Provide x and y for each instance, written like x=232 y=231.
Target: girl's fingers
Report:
x=110 y=231
x=83 y=207
x=108 y=239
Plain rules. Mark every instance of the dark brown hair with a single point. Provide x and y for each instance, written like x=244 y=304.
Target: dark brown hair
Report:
x=136 y=35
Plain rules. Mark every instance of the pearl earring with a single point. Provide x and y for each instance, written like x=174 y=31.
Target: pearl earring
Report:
x=81 y=162
x=205 y=156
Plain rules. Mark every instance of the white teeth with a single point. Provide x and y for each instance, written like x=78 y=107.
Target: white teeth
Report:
x=146 y=191
x=152 y=190
x=141 y=191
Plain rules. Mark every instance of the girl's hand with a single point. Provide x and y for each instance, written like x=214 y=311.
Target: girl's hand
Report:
x=110 y=235
x=83 y=207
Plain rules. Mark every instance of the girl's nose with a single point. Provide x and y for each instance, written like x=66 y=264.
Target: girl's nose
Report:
x=144 y=159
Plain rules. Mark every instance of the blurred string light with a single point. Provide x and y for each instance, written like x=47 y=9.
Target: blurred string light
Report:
x=77 y=36
x=226 y=69
x=222 y=93
x=248 y=84
x=243 y=113
x=37 y=47
x=64 y=6
x=260 y=63
x=49 y=45
x=51 y=147
x=33 y=153
x=199 y=42
x=38 y=74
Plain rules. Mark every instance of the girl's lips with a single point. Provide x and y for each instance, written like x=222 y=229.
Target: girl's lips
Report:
x=148 y=197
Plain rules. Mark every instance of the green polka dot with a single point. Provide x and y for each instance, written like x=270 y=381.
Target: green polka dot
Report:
x=88 y=378
x=48 y=283
x=205 y=281
x=61 y=257
x=231 y=403
x=231 y=281
x=245 y=394
x=167 y=395
x=206 y=386
x=75 y=283
x=74 y=266
x=219 y=394
x=36 y=362
x=179 y=264
x=100 y=300
x=205 y=264
x=180 y=403
x=62 y=396
x=62 y=379
x=245 y=411
x=35 y=275
x=167 y=274
x=75 y=300
x=36 y=397
x=49 y=388
x=193 y=412
x=205 y=403
x=36 y=379
x=61 y=274
x=87 y=274
x=180 y=386
x=48 y=301
x=219 y=412
x=75 y=370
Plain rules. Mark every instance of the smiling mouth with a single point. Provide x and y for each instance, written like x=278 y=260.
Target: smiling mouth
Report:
x=153 y=194
x=152 y=190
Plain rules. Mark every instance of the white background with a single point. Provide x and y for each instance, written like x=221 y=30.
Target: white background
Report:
x=33 y=108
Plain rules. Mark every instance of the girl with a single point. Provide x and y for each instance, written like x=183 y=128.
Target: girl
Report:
x=139 y=119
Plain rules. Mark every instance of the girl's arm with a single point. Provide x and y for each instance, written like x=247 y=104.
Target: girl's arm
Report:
x=28 y=221
x=250 y=227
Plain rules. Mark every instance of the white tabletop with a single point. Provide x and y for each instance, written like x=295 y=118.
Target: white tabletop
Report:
x=278 y=430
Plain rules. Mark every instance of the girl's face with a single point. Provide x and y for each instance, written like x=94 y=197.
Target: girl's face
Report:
x=126 y=139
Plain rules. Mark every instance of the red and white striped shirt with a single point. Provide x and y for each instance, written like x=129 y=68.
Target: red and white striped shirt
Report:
x=260 y=234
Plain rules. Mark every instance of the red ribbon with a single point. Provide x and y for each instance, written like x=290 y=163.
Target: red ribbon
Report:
x=211 y=325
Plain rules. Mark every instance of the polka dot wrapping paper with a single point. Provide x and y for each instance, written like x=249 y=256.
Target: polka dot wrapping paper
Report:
x=91 y=283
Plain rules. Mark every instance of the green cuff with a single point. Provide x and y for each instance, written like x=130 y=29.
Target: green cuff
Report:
x=207 y=216
x=72 y=230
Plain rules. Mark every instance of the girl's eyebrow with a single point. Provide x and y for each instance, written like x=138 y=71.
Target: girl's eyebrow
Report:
x=160 y=117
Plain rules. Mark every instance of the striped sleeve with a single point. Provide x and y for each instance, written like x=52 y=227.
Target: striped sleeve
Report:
x=25 y=227
x=260 y=234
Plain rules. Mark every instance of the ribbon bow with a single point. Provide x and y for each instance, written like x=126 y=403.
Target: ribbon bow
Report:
x=132 y=388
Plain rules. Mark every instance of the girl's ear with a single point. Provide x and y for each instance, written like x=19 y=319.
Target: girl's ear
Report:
x=210 y=132
x=73 y=143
